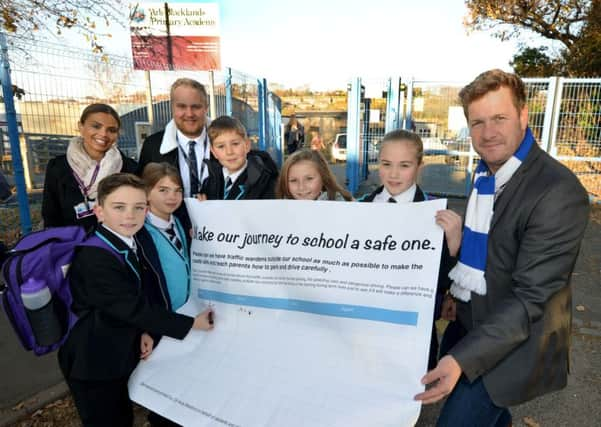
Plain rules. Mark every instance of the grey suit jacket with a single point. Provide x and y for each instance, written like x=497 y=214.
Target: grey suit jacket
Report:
x=519 y=332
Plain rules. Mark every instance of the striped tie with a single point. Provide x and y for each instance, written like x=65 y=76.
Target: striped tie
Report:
x=228 y=187
x=170 y=230
x=193 y=166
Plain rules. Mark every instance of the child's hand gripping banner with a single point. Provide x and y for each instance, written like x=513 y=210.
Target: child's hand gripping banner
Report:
x=323 y=316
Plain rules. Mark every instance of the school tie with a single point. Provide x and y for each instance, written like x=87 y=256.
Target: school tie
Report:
x=170 y=230
x=134 y=249
x=228 y=187
x=133 y=258
x=193 y=166
x=391 y=200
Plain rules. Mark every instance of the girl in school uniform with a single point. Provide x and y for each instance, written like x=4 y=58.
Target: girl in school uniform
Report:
x=164 y=252
x=306 y=176
x=401 y=154
x=163 y=239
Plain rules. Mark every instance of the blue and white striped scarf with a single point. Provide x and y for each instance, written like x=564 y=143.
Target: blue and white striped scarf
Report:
x=468 y=274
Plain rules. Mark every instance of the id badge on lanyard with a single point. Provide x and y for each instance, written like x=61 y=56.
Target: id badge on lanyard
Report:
x=85 y=208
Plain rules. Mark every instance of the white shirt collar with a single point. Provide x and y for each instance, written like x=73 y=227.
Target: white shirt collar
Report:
x=183 y=140
x=159 y=223
x=233 y=176
x=405 y=197
x=129 y=241
x=172 y=135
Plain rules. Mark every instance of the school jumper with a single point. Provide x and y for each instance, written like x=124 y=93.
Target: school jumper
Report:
x=257 y=181
x=61 y=194
x=165 y=269
x=103 y=347
x=447 y=262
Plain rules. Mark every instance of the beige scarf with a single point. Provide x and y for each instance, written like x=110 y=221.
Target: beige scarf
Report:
x=85 y=167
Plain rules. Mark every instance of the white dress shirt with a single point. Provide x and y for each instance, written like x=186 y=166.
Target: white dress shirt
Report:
x=202 y=150
x=405 y=197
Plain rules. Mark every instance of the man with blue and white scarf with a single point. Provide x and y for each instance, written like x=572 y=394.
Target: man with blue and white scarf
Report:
x=524 y=222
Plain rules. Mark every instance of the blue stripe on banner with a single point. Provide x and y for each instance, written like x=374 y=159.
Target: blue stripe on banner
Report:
x=474 y=253
x=322 y=308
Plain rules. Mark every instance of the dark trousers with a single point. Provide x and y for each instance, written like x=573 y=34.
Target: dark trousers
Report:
x=292 y=147
x=433 y=355
x=452 y=334
x=155 y=420
x=470 y=405
x=102 y=403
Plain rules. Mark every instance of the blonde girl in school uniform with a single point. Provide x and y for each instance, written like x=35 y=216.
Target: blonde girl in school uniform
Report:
x=401 y=155
x=306 y=176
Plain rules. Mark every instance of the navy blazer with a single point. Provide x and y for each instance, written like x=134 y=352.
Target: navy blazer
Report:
x=107 y=293
x=257 y=181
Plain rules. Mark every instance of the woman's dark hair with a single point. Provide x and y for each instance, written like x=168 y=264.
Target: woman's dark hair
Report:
x=99 y=108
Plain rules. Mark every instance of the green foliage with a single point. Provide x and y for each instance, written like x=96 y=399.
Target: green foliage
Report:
x=533 y=62
x=584 y=58
x=576 y=24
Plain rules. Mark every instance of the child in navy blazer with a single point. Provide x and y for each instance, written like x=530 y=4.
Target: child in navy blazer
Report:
x=164 y=233
x=110 y=336
x=236 y=172
x=401 y=154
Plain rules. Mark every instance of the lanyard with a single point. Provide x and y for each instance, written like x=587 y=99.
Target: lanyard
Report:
x=86 y=189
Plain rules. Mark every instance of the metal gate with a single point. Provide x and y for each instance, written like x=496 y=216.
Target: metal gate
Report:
x=564 y=115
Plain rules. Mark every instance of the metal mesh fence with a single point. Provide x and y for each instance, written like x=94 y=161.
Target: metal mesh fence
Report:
x=246 y=103
x=437 y=116
x=577 y=126
x=59 y=82
x=373 y=118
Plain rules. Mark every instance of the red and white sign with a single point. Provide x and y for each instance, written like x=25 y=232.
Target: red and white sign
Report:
x=181 y=36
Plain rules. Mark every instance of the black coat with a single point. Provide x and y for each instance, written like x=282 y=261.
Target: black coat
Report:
x=256 y=182
x=61 y=194
x=114 y=310
x=153 y=278
x=150 y=153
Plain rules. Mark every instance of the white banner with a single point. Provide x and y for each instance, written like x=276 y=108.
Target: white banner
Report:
x=323 y=315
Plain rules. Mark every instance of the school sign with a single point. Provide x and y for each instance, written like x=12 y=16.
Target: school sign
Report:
x=182 y=36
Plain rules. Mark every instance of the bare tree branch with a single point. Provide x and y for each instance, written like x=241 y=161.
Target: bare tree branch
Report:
x=560 y=20
x=25 y=18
